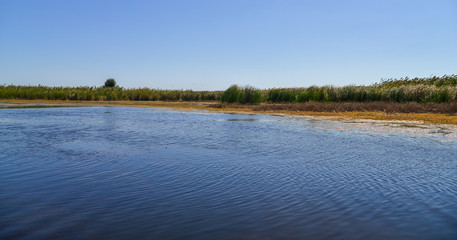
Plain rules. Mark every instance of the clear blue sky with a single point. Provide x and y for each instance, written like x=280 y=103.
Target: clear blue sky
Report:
x=209 y=45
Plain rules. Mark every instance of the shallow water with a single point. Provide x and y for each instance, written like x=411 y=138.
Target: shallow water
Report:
x=127 y=173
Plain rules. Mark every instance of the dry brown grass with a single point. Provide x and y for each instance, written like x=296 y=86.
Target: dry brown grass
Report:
x=444 y=113
x=386 y=107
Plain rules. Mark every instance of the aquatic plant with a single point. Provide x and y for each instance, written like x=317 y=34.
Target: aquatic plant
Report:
x=231 y=95
x=104 y=94
x=446 y=80
x=283 y=94
x=243 y=95
x=251 y=95
x=420 y=90
x=425 y=90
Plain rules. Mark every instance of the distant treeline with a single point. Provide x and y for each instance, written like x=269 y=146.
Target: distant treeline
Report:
x=420 y=90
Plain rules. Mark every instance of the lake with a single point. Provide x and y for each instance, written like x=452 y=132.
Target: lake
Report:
x=137 y=173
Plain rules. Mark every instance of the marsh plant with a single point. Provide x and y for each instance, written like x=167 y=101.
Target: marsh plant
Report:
x=420 y=90
x=243 y=95
x=104 y=94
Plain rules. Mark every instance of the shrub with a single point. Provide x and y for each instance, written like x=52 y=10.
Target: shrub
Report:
x=231 y=95
x=110 y=82
x=251 y=95
x=246 y=95
x=282 y=95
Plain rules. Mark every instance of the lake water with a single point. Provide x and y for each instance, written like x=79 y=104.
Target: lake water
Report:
x=135 y=173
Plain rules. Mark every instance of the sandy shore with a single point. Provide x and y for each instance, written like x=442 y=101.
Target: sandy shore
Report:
x=216 y=107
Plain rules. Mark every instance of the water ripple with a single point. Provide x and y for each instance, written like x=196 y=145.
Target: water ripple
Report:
x=147 y=173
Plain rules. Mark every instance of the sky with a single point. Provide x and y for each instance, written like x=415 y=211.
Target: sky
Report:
x=210 y=45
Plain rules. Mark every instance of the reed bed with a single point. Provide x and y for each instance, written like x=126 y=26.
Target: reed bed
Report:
x=243 y=95
x=104 y=94
x=417 y=90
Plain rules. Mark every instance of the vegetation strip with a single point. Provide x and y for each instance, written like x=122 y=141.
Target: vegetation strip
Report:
x=429 y=100
x=419 y=90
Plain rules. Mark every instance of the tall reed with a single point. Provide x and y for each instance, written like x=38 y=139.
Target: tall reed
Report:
x=421 y=90
x=243 y=95
x=102 y=94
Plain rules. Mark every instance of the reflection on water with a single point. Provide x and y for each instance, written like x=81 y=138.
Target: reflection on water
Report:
x=126 y=173
x=242 y=119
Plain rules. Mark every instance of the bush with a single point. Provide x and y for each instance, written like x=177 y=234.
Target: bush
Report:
x=282 y=95
x=251 y=95
x=231 y=95
x=110 y=82
x=246 y=95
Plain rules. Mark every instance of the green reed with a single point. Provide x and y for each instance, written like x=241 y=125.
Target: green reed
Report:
x=104 y=94
x=243 y=95
x=421 y=90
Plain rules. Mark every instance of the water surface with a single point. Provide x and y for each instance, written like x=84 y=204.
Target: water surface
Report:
x=126 y=173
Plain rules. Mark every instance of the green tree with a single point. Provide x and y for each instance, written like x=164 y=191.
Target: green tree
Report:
x=110 y=82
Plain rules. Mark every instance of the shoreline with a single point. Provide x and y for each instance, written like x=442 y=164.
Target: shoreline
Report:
x=430 y=118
